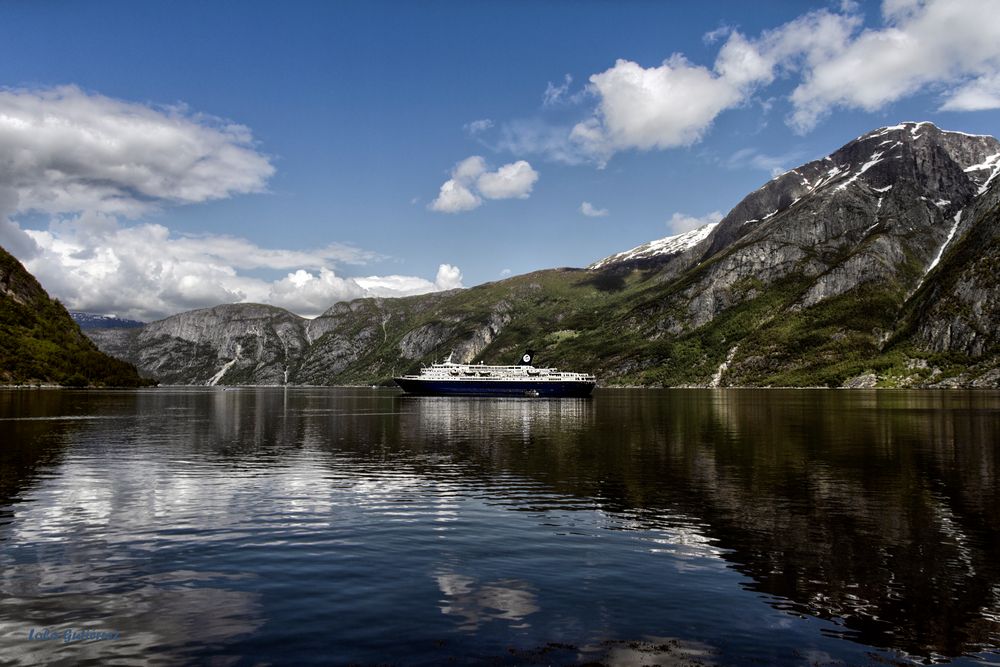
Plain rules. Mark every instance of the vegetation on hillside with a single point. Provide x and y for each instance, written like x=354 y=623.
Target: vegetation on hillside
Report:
x=40 y=343
x=607 y=323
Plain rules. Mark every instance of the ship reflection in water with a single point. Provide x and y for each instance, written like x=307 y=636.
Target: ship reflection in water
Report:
x=485 y=419
x=636 y=527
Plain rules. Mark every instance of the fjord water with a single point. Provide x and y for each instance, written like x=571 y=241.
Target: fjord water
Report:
x=297 y=526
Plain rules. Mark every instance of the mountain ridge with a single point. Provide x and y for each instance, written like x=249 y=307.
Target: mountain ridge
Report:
x=95 y=321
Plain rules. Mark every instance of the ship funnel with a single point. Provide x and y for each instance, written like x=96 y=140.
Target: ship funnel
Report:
x=526 y=358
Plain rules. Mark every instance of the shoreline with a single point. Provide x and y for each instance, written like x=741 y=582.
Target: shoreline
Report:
x=49 y=387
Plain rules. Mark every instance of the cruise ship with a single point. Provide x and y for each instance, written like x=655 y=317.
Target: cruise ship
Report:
x=450 y=379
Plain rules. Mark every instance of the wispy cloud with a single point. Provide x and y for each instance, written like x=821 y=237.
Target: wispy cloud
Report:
x=980 y=94
x=714 y=36
x=755 y=159
x=537 y=136
x=554 y=94
x=477 y=127
x=592 y=211
x=682 y=222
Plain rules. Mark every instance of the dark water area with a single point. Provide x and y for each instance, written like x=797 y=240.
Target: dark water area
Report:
x=340 y=526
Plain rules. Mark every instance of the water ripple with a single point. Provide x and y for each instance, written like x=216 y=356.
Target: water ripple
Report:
x=321 y=526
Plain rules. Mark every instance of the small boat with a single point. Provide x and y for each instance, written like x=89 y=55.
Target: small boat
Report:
x=522 y=379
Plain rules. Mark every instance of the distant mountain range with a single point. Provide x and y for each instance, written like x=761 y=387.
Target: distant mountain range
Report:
x=876 y=265
x=41 y=344
x=92 y=321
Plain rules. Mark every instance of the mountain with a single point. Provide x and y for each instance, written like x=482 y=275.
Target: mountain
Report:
x=804 y=281
x=92 y=321
x=40 y=342
x=245 y=343
x=873 y=265
x=955 y=314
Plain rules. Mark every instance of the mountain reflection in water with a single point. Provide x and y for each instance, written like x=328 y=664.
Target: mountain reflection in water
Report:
x=320 y=525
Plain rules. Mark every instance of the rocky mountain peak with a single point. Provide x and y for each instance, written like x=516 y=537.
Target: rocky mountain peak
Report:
x=969 y=151
x=944 y=169
x=918 y=160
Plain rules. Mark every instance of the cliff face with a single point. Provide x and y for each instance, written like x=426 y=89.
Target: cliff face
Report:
x=361 y=342
x=874 y=264
x=245 y=343
x=957 y=311
x=874 y=213
x=40 y=342
x=823 y=259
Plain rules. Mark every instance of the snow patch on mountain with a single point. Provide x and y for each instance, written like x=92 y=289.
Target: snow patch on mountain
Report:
x=671 y=245
x=944 y=246
x=993 y=164
x=912 y=126
x=875 y=159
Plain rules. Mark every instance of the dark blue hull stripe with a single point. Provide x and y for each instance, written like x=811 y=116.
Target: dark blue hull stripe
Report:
x=487 y=388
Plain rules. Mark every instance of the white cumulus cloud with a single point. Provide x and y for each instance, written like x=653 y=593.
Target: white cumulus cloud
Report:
x=514 y=180
x=454 y=197
x=977 y=95
x=91 y=163
x=469 y=169
x=592 y=211
x=448 y=277
x=64 y=150
x=922 y=45
x=674 y=104
x=657 y=107
x=308 y=293
x=95 y=263
x=948 y=47
x=471 y=182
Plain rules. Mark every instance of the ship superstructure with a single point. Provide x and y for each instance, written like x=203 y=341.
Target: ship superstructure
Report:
x=522 y=379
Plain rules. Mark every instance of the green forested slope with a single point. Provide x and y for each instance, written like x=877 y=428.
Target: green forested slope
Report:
x=40 y=342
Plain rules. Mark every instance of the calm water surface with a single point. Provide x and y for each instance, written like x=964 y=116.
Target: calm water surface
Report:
x=271 y=526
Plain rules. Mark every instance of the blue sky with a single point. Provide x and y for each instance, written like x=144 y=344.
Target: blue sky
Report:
x=354 y=115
